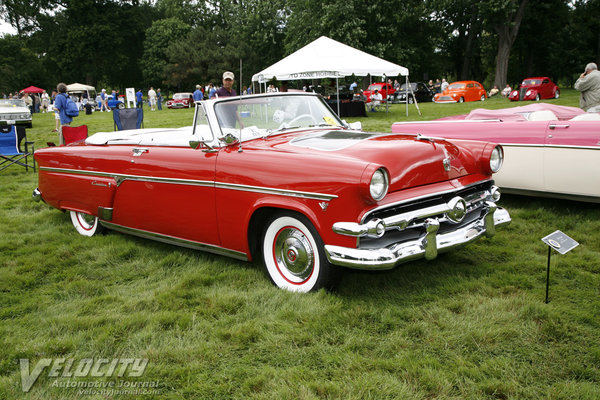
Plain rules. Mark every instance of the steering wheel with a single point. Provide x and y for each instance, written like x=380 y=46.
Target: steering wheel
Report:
x=299 y=117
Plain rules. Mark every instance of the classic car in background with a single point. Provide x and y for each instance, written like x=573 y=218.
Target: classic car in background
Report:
x=535 y=89
x=551 y=151
x=461 y=91
x=420 y=90
x=279 y=176
x=15 y=112
x=181 y=100
x=384 y=89
x=119 y=102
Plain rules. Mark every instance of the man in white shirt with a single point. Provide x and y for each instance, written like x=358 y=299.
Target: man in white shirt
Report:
x=152 y=98
x=375 y=100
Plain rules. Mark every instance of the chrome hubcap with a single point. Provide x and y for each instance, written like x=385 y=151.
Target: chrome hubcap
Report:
x=86 y=220
x=293 y=253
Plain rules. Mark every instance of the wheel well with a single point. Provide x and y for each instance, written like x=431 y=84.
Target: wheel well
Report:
x=257 y=223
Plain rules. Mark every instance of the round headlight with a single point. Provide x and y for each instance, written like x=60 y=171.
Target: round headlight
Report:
x=379 y=185
x=496 y=159
x=527 y=93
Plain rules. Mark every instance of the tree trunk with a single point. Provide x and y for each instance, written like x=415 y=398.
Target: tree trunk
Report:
x=466 y=65
x=507 y=33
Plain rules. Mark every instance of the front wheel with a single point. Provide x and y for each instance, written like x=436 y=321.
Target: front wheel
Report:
x=483 y=97
x=556 y=94
x=537 y=97
x=461 y=100
x=85 y=224
x=121 y=106
x=294 y=255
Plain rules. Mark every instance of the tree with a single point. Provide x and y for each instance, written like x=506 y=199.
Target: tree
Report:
x=505 y=17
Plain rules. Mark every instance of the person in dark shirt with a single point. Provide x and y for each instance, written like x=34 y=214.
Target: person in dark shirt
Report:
x=227 y=88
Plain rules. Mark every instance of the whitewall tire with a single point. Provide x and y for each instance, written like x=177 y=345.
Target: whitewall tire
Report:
x=85 y=224
x=294 y=255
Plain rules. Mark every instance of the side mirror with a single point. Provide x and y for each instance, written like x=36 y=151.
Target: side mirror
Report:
x=197 y=143
x=355 y=126
x=229 y=139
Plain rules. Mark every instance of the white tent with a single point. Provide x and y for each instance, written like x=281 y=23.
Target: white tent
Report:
x=80 y=87
x=327 y=58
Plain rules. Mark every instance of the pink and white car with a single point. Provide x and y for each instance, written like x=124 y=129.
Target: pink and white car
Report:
x=550 y=150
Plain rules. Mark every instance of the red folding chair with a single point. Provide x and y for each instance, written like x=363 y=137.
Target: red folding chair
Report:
x=73 y=134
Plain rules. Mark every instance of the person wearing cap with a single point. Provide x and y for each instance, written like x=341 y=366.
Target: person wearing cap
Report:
x=198 y=94
x=227 y=88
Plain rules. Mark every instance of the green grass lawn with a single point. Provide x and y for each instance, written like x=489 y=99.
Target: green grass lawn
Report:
x=471 y=324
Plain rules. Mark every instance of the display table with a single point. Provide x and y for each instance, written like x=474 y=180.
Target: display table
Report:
x=349 y=108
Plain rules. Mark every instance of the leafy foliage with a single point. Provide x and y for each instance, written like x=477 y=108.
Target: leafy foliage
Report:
x=180 y=43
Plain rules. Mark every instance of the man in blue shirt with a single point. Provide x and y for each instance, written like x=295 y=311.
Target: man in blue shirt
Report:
x=60 y=104
x=198 y=94
x=139 y=98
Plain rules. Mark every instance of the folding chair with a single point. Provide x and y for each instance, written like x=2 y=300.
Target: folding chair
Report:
x=11 y=138
x=128 y=118
x=74 y=133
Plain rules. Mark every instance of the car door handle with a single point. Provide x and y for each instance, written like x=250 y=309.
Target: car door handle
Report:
x=139 y=151
x=554 y=126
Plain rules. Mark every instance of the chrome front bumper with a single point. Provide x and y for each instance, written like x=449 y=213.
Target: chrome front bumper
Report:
x=427 y=246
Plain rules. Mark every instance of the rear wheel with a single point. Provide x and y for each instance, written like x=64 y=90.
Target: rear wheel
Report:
x=294 y=255
x=85 y=224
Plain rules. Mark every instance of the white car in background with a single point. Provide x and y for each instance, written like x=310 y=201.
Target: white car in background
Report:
x=14 y=112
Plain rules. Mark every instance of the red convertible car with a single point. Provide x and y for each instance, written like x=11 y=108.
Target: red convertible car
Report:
x=551 y=151
x=181 y=100
x=461 y=91
x=278 y=176
x=535 y=89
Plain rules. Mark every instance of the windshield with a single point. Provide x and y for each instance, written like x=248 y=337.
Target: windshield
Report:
x=12 y=103
x=375 y=87
x=263 y=116
x=412 y=85
x=456 y=86
x=530 y=82
x=179 y=96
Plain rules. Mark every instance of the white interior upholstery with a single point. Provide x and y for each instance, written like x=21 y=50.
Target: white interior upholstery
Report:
x=542 y=115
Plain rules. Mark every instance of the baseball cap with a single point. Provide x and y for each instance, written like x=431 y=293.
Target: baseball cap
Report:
x=228 y=75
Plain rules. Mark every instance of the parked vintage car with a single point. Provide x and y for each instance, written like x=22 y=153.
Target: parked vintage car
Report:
x=181 y=100
x=279 y=176
x=119 y=102
x=420 y=90
x=15 y=112
x=384 y=89
x=535 y=89
x=461 y=91
x=551 y=151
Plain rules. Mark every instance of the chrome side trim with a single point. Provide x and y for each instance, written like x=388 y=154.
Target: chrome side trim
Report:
x=105 y=213
x=427 y=246
x=238 y=255
x=120 y=178
x=281 y=192
x=556 y=146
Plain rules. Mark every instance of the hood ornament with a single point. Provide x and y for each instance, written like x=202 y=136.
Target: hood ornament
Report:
x=446 y=163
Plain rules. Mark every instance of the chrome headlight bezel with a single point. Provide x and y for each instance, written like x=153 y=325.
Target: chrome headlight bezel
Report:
x=379 y=184
x=496 y=159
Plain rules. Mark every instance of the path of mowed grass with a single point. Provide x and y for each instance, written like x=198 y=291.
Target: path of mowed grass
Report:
x=471 y=324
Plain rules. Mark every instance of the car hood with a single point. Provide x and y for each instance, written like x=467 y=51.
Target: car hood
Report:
x=13 y=110
x=409 y=161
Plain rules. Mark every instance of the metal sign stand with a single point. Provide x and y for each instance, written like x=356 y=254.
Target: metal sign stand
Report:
x=561 y=243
